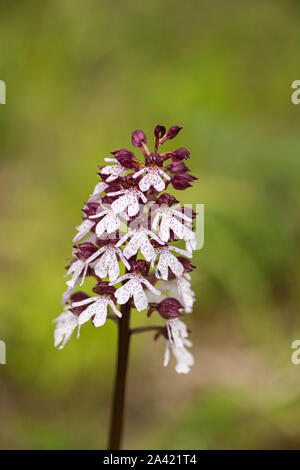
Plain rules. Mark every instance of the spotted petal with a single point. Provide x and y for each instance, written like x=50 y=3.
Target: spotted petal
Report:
x=123 y=293
x=83 y=229
x=65 y=325
x=140 y=298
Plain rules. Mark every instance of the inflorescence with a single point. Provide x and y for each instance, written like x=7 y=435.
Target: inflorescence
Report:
x=127 y=215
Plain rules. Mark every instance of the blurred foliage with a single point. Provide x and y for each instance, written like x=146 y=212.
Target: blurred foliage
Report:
x=80 y=77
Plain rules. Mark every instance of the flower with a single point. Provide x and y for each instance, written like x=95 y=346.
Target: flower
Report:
x=78 y=267
x=169 y=220
x=177 y=342
x=66 y=323
x=129 y=199
x=168 y=260
x=83 y=229
x=108 y=263
x=75 y=269
x=153 y=178
x=99 y=188
x=114 y=171
x=139 y=240
x=97 y=309
x=186 y=294
x=109 y=223
x=180 y=289
x=183 y=357
x=133 y=288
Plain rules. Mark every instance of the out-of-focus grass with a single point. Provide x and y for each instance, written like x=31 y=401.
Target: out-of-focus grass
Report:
x=231 y=419
x=79 y=80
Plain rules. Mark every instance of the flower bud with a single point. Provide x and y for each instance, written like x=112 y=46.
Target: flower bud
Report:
x=173 y=131
x=139 y=265
x=90 y=208
x=178 y=167
x=84 y=250
x=166 y=199
x=186 y=263
x=168 y=309
x=78 y=297
x=126 y=159
x=159 y=131
x=182 y=181
x=180 y=154
x=138 y=138
x=129 y=181
x=108 y=200
x=122 y=153
x=113 y=186
x=103 y=287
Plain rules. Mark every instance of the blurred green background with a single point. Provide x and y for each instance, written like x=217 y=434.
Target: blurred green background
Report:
x=80 y=77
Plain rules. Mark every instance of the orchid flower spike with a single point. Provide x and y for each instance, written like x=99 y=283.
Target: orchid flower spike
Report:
x=127 y=244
